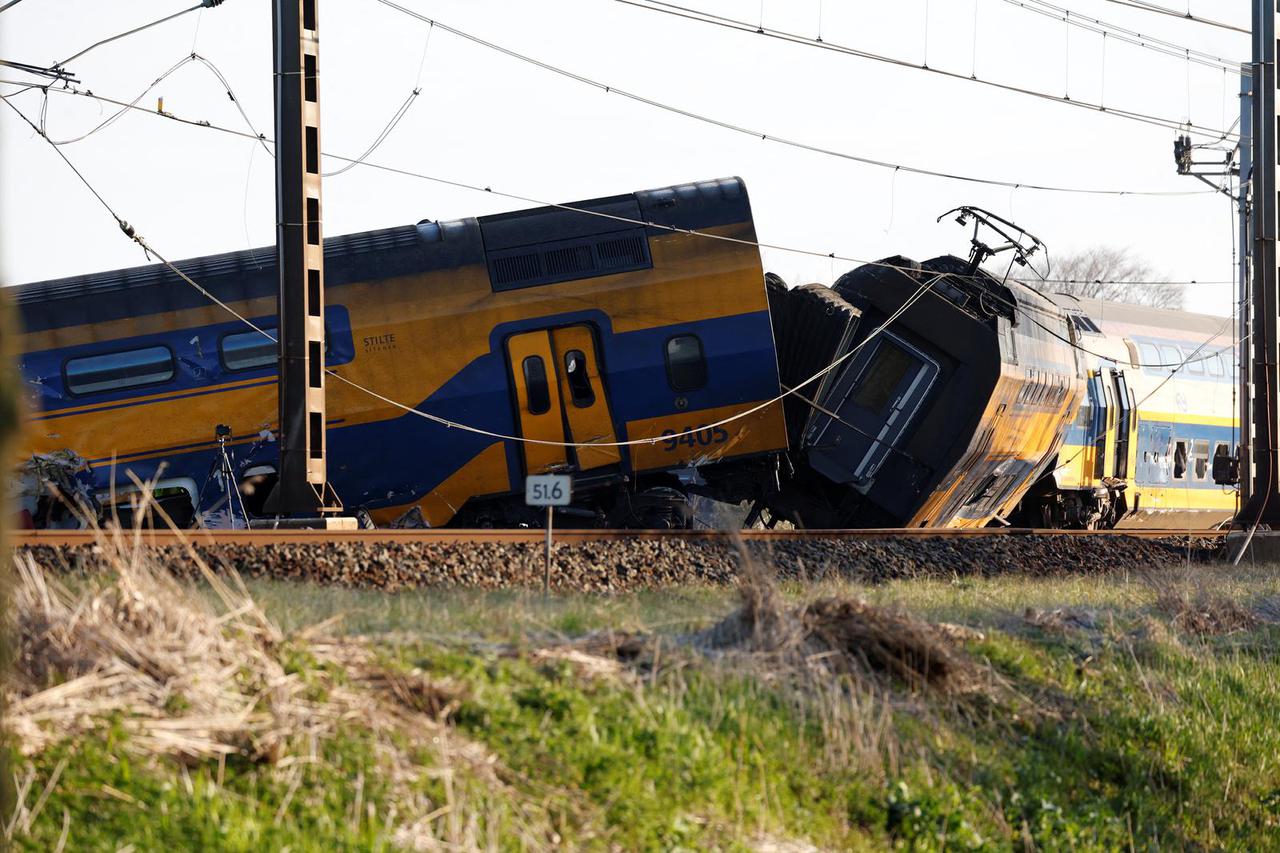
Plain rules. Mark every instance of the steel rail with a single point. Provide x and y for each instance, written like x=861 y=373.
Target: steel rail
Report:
x=161 y=538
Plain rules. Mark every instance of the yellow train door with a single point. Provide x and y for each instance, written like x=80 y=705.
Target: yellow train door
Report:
x=582 y=394
x=533 y=374
x=560 y=397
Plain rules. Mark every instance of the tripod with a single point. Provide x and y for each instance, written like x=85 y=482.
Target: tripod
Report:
x=227 y=473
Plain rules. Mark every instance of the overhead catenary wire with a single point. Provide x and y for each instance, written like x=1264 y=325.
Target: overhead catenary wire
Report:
x=136 y=30
x=132 y=31
x=772 y=137
x=1129 y=36
x=798 y=39
x=1186 y=16
x=396 y=170
x=186 y=60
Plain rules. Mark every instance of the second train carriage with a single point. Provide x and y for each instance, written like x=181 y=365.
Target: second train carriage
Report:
x=567 y=327
x=1159 y=409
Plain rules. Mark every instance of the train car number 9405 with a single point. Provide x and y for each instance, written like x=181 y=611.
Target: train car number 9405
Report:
x=701 y=436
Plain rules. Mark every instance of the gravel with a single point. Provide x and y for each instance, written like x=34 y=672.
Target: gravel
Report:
x=621 y=565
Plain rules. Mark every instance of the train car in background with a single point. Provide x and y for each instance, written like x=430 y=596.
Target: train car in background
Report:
x=580 y=327
x=1159 y=409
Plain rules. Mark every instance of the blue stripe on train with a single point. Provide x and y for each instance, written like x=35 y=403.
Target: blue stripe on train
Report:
x=401 y=459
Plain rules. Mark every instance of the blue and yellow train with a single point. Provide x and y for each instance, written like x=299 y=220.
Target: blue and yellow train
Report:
x=605 y=340
x=583 y=328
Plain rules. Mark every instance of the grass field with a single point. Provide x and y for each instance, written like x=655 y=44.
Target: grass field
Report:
x=1100 y=713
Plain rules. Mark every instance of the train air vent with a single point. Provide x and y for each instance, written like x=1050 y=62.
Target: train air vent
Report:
x=516 y=268
x=565 y=260
x=570 y=260
x=622 y=252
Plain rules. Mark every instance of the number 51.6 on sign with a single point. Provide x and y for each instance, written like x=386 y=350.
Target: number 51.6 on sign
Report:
x=548 y=490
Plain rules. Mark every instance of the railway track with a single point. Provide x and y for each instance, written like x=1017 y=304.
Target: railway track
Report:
x=163 y=538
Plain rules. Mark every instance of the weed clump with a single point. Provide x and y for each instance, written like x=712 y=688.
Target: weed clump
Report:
x=1204 y=615
x=842 y=635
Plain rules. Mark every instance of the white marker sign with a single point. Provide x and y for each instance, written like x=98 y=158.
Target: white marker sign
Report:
x=548 y=490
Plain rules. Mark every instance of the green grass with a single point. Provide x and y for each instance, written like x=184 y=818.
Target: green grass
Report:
x=1123 y=735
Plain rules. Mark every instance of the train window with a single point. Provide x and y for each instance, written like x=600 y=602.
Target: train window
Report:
x=686 y=365
x=1084 y=324
x=1195 y=361
x=882 y=377
x=248 y=350
x=1150 y=355
x=1179 y=460
x=1171 y=357
x=535 y=383
x=985 y=490
x=118 y=370
x=575 y=367
x=1200 y=456
x=1214 y=365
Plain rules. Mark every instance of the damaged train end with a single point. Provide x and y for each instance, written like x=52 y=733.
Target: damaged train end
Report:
x=952 y=399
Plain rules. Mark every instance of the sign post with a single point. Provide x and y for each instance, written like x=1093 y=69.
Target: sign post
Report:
x=551 y=491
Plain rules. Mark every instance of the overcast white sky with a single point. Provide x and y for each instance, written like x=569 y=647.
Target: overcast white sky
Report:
x=487 y=119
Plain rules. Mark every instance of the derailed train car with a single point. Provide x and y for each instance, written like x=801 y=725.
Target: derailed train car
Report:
x=601 y=339
x=952 y=404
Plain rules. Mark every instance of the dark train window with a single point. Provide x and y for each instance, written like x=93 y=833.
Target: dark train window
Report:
x=118 y=370
x=249 y=350
x=535 y=383
x=882 y=376
x=985 y=490
x=1179 y=460
x=575 y=367
x=686 y=365
x=1084 y=324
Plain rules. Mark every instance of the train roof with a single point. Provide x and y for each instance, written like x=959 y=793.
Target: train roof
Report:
x=1104 y=312
x=251 y=273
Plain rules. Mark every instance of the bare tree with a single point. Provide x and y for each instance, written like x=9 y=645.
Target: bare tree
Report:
x=1111 y=274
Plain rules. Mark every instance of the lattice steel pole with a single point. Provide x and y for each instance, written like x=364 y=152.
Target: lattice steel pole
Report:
x=302 y=488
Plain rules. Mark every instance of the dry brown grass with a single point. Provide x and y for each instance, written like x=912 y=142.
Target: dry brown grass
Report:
x=841 y=635
x=1204 y=614
x=192 y=681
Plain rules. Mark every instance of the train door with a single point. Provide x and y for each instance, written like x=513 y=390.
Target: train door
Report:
x=582 y=394
x=1124 y=426
x=1098 y=399
x=560 y=398
x=533 y=373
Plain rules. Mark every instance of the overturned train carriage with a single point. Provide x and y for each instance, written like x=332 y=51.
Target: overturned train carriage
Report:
x=951 y=401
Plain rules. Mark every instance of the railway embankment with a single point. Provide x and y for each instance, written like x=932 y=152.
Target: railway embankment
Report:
x=618 y=564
